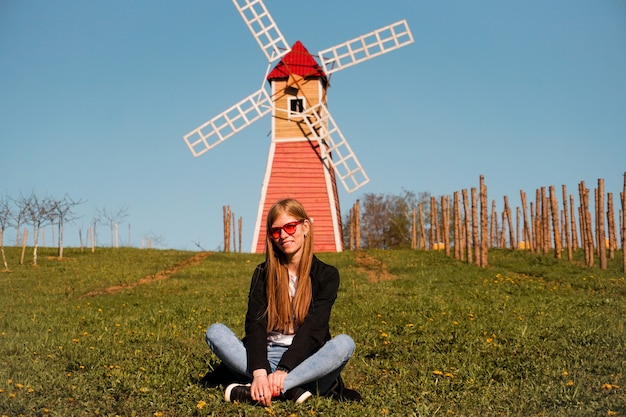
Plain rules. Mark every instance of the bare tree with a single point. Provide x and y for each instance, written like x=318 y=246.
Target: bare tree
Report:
x=95 y=221
x=62 y=213
x=112 y=218
x=151 y=240
x=36 y=212
x=5 y=217
x=17 y=217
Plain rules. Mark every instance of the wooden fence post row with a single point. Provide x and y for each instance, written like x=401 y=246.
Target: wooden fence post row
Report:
x=230 y=229
x=540 y=226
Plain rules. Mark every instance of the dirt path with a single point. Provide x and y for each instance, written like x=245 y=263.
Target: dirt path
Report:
x=373 y=268
x=159 y=276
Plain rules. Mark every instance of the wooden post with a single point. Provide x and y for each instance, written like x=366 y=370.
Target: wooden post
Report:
x=533 y=231
x=507 y=208
x=456 y=210
x=582 y=218
x=493 y=228
x=475 y=225
x=566 y=235
x=601 y=225
x=357 y=225
x=545 y=221
x=517 y=226
x=355 y=228
x=588 y=241
x=438 y=224
x=422 y=232
x=610 y=218
x=484 y=224
x=468 y=230
x=351 y=230
x=572 y=206
x=537 y=222
x=554 y=206
x=528 y=244
x=414 y=229
x=24 y=239
x=597 y=221
x=240 y=232
x=352 y=226
x=234 y=232
x=445 y=214
x=502 y=236
x=433 y=223
x=623 y=224
x=227 y=215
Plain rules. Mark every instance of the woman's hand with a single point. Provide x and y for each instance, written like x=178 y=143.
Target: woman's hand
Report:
x=260 y=389
x=276 y=380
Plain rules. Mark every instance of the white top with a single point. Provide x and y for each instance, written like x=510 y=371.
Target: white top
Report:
x=278 y=338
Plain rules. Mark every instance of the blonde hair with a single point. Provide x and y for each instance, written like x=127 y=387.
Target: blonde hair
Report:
x=284 y=315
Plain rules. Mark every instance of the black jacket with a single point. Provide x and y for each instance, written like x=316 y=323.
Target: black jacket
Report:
x=311 y=335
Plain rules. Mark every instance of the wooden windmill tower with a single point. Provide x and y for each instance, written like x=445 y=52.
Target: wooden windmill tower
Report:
x=308 y=152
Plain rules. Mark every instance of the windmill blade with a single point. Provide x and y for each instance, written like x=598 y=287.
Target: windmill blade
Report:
x=365 y=47
x=226 y=124
x=263 y=28
x=338 y=153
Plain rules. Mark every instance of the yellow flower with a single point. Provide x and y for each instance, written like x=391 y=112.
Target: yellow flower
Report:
x=158 y=414
x=201 y=404
x=437 y=373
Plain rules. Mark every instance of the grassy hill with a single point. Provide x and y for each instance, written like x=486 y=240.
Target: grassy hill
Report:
x=121 y=332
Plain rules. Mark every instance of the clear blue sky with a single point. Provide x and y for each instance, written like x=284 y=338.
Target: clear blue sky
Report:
x=95 y=97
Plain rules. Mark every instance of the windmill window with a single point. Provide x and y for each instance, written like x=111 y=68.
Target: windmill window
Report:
x=296 y=105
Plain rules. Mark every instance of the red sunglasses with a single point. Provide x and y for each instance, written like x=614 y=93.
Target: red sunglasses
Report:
x=289 y=228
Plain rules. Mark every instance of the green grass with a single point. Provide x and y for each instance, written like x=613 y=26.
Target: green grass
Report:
x=528 y=336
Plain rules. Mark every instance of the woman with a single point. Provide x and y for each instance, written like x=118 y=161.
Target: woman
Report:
x=287 y=351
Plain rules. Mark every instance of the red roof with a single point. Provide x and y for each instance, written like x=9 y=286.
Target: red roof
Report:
x=297 y=62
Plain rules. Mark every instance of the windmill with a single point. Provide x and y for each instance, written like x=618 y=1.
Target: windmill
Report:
x=308 y=152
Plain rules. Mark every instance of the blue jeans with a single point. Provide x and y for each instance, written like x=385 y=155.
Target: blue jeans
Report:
x=317 y=373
